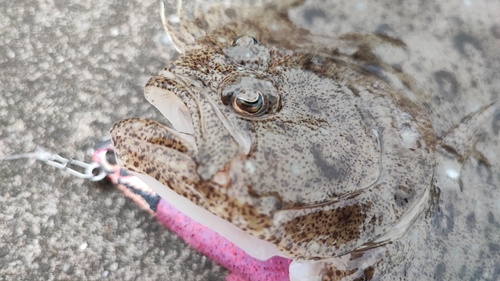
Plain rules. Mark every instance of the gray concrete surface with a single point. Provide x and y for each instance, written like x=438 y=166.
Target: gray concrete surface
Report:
x=69 y=70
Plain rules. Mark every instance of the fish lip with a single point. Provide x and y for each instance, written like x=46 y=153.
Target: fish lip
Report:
x=146 y=130
x=171 y=106
x=187 y=140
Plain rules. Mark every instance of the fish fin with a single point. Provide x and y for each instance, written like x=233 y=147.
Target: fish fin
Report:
x=461 y=139
x=194 y=20
x=459 y=144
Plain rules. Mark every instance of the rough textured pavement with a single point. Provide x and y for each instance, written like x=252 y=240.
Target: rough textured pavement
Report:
x=70 y=70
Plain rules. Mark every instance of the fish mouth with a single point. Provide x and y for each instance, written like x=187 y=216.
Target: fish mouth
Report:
x=199 y=118
x=200 y=126
x=167 y=152
x=180 y=124
x=168 y=157
x=169 y=104
x=146 y=146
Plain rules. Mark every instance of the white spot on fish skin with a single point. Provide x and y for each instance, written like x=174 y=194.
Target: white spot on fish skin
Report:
x=315 y=246
x=221 y=178
x=361 y=6
x=285 y=111
x=467 y=3
x=221 y=40
x=481 y=210
x=324 y=131
x=410 y=139
x=414 y=237
x=387 y=195
x=296 y=169
x=123 y=158
x=250 y=167
x=475 y=247
x=457 y=254
x=452 y=174
x=137 y=126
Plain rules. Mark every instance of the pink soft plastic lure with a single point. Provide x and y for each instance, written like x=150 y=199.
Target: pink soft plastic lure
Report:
x=217 y=248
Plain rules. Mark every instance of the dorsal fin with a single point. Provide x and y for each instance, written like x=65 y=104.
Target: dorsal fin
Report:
x=194 y=20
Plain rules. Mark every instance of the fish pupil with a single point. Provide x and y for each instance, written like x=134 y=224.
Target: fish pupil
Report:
x=252 y=106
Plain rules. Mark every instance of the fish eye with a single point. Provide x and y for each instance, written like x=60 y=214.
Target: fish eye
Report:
x=249 y=96
x=246 y=40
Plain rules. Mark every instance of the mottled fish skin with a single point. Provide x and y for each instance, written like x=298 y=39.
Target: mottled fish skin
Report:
x=337 y=162
x=338 y=157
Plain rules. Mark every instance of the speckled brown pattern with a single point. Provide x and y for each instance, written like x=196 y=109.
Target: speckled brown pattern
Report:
x=335 y=145
x=348 y=142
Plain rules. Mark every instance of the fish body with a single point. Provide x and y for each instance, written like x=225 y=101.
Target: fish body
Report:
x=313 y=154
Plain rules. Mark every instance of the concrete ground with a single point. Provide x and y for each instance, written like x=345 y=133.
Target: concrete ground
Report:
x=70 y=69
